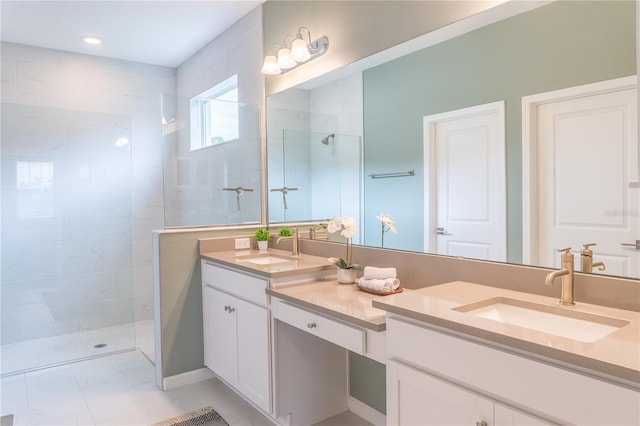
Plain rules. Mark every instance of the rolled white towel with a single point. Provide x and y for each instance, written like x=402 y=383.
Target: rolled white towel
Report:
x=371 y=272
x=388 y=284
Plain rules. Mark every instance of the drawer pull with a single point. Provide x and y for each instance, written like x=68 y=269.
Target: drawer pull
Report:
x=229 y=308
x=312 y=325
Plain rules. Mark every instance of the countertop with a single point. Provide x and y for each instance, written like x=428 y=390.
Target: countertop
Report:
x=615 y=357
x=302 y=263
x=342 y=301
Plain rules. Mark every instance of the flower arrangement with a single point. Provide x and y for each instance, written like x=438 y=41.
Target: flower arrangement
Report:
x=387 y=224
x=348 y=229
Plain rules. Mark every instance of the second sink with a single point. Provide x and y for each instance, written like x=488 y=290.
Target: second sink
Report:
x=575 y=325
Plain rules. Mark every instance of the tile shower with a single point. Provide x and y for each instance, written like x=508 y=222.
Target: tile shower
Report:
x=81 y=192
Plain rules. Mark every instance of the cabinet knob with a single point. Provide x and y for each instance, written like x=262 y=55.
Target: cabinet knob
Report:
x=311 y=325
x=231 y=309
x=228 y=308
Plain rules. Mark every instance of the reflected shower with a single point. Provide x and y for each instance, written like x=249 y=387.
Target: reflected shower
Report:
x=328 y=139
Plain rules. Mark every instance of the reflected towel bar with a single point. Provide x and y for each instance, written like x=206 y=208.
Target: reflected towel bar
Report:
x=388 y=175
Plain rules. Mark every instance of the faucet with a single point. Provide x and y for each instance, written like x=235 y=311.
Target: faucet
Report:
x=586 y=259
x=566 y=273
x=295 y=250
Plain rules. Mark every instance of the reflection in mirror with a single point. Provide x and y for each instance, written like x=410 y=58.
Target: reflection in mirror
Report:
x=554 y=46
x=314 y=146
x=319 y=178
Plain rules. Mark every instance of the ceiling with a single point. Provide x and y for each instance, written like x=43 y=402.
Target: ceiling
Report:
x=155 y=32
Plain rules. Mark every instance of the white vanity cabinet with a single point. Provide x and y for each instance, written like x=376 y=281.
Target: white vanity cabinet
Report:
x=435 y=377
x=416 y=397
x=237 y=331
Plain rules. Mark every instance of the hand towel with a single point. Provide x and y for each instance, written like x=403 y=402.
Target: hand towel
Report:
x=371 y=272
x=387 y=285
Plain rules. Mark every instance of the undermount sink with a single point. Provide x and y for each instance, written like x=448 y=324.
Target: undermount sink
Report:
x=267 y=259
x=558 y=321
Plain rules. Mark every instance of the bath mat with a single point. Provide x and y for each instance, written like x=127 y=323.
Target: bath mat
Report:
x=206 y=416
x=6 y=420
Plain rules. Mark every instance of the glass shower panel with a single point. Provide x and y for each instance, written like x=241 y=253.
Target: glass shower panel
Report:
x=215 y=185
x=67 y=239
x=321 y=174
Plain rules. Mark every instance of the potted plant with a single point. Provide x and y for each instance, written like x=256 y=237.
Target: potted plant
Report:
x=285 y=231
x=348 y=229
x=262 y=237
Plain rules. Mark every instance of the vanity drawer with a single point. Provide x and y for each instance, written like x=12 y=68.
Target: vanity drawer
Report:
x=344 y=335
x=235 y=283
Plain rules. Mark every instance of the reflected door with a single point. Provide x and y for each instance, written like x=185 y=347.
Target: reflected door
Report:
x=465 y=203
x=587 y=175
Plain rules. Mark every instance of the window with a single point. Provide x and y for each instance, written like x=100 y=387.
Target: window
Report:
x=214 y=115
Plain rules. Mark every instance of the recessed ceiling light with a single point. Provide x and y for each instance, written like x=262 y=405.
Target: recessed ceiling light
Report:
x=92 y=40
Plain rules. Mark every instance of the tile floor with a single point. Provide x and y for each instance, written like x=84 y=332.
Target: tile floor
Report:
x=37 y=353
x=119 y=389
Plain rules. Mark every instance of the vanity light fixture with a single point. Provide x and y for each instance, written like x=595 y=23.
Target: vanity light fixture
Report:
x=92 y=40
x=299 y=53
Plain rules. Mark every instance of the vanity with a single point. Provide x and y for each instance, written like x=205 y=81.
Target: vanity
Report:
x=463 y=353
x=278 y=329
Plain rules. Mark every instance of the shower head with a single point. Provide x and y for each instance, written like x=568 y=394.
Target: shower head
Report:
x=328 y=139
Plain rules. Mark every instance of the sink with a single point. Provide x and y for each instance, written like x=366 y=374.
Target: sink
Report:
x=555 y=320
x=266 y=260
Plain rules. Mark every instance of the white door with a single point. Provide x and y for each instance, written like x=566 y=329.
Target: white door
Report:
x=465 y=203
x=585 y=143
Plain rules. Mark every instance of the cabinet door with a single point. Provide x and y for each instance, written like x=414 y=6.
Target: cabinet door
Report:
x=417 y=398
x=220 y=338
x=253 y=353
x=507 y=416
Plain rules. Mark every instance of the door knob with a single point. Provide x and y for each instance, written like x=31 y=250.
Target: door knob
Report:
x=636 y=245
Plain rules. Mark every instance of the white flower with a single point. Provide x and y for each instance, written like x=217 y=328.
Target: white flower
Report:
x=349 y=227
x=387 y=220
x=334 y=225
x=346 y=225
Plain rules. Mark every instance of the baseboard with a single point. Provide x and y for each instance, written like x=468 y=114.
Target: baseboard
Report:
x=368 y=413
x=188 y=378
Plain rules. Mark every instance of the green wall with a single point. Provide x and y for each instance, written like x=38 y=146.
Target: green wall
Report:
x=559 y=45
x=367 y=381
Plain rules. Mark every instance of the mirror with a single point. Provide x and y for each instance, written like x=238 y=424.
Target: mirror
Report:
x=554 y=46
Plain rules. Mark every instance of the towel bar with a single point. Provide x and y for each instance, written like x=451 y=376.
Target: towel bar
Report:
x=388 y=175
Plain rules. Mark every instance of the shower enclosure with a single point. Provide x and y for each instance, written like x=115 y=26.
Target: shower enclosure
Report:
x=317 y=177
x=67 y=239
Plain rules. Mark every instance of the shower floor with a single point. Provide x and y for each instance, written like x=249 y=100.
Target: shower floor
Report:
x=39 y=353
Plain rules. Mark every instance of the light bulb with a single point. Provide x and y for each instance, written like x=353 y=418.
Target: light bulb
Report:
x=270 y=65
x=300 y=51
x=284 y=59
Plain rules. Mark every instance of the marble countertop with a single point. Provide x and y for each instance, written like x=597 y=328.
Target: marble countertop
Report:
x=292 y=265
x=615 y=357
x=342 y=301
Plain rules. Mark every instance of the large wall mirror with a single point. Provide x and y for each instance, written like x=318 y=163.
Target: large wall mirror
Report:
x=524 y=129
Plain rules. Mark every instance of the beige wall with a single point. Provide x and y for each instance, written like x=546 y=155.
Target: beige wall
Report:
x=356 y=29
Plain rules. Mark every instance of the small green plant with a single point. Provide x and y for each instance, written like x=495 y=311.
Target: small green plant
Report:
x=285 y=231
x=262 y=234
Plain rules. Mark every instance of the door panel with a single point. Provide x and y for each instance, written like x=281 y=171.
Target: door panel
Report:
x=465 y=160
x=578 y=138
x=223 y=352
